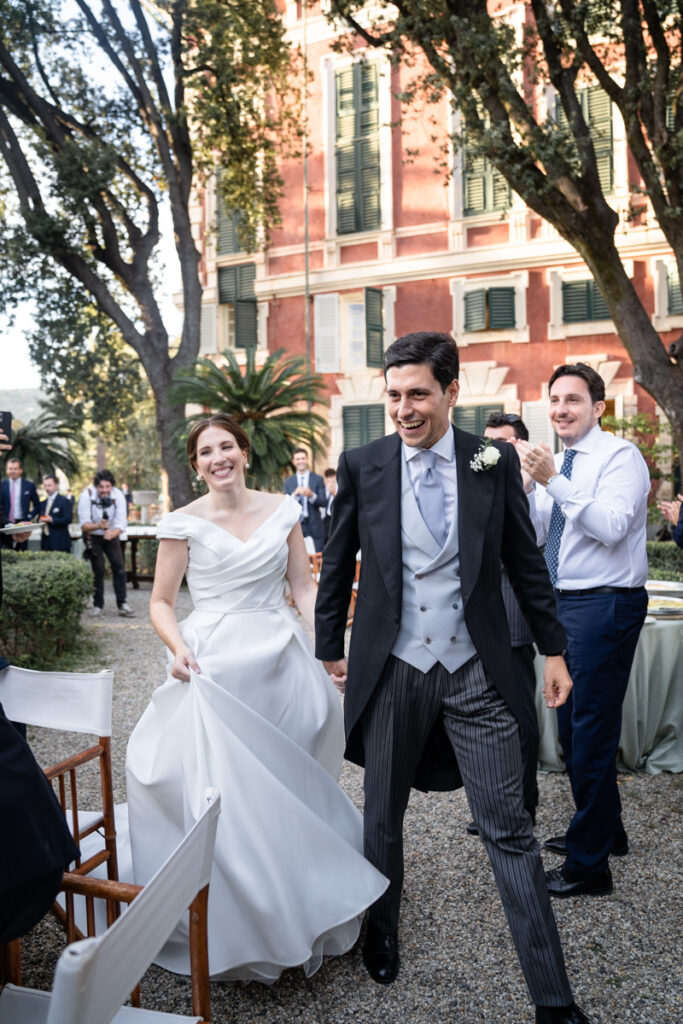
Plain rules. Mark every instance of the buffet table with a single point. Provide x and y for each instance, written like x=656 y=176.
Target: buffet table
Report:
x=652 y=728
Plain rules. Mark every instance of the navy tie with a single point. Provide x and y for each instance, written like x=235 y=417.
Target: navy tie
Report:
x=552 y=543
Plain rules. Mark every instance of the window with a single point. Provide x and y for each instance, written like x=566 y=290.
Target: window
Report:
x=485 y=189
x=581 y=301
x=357 y=148
x=472 y=418
x=596 y=108
x=675 y=297
x=238 y=305
x=489 y=309
x=362 y=423
x=374 y=326
x=326 y=332
x=227 y=223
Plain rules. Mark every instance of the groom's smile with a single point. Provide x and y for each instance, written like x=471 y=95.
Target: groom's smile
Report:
x=418 y=406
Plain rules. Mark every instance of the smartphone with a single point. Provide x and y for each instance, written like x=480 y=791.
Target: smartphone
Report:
x=6 y=424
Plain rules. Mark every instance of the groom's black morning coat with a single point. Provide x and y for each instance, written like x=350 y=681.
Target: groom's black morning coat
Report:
x=493 y=524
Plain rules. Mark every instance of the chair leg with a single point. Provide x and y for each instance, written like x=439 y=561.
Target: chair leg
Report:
x=10 y=962
x=199 y=955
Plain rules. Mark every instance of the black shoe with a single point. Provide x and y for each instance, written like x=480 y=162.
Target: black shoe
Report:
x=572 y=1014
x=558 y=844
x=472 y=829
x=380 y=955
x=559 y=885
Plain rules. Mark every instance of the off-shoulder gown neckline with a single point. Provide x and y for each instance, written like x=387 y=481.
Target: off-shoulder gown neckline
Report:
x=234 y=536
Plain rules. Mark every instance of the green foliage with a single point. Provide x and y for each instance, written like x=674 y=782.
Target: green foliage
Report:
x=134 y=458
x=45 y=444
x=664 y=560
x=44 y=594
x=266 y=402
x=654 y=441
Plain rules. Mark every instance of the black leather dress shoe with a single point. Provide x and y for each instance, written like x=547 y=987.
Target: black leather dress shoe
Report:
x=380 y=955
x=472 y=829
x=559 y=885
x=561 y=1015
x=558 y=844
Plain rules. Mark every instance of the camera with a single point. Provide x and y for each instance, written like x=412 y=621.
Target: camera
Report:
x=105 y=504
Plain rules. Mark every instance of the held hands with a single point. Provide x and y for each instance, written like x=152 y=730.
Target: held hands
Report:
x=183 y=661
x=557 y=682
x=537 y=461
x=338 y=671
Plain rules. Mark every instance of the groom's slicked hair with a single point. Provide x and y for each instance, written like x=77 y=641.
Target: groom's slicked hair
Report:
x=433 y=347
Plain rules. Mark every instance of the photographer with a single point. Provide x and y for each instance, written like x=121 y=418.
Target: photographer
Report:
x=102 y=515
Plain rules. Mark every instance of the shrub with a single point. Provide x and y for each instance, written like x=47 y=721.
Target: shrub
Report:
x=665 y=560
x=44 y=593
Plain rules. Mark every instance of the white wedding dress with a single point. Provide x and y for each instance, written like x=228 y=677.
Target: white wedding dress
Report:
x=262 y=723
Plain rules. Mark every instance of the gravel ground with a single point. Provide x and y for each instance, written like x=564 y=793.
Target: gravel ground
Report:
x=623 y=951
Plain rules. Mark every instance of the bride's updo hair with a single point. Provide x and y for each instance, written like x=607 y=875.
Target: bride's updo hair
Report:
x=218 y=420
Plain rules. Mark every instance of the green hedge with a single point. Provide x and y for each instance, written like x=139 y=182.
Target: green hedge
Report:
x=665 y=560
x=44 y=593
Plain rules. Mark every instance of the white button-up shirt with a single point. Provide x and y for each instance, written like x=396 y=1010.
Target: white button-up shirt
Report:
x=444 y=465
x=605 y=510
x=90 y=510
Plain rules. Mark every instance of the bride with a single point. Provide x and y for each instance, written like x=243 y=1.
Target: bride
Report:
x=247 y=709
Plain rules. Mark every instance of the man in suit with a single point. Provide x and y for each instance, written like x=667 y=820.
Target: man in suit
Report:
x=19 y=500
x=56 y=513
x=330 y=476
x=504 y=426
x=589 y=506
x=309 y=490
x=433 y=514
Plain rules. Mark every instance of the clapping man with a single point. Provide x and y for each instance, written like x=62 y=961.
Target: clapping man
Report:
x=430 y=665
x=55 y=513
x=309 y=490
x=590 y=507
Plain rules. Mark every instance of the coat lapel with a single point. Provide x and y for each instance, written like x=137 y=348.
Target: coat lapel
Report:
x=381 y=483
x=475 y=495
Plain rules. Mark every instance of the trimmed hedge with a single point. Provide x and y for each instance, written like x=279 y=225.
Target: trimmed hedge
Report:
x=665 y=560
x=44 y=593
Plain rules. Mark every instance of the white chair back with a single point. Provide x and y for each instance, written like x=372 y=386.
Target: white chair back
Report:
x=72 y=701
x=95 y=976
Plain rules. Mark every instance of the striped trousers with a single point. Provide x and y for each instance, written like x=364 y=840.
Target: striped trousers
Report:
x=485 y=737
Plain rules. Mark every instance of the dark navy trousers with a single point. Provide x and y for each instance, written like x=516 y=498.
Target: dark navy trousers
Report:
x=602 y=633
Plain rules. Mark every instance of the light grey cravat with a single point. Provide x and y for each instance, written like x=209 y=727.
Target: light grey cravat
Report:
x=431 y=499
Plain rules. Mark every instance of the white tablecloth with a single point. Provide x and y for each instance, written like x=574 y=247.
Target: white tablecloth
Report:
x=652 y=727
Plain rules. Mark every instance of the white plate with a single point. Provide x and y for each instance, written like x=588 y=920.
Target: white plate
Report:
x=664 y=586
x=20 y=528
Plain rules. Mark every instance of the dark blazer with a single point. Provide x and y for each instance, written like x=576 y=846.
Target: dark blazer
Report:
x=677 y=532
x=317 y=485
x=29 y=498
x=493 y=525
x=62 y=514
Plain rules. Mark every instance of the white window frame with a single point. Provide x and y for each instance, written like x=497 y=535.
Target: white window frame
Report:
x=558 y=330
x=459 y=287
x=661 y=320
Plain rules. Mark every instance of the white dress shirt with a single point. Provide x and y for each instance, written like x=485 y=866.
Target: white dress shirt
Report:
x=90 y=510
x=605 y=510
x=444 y=465
x=15 y=500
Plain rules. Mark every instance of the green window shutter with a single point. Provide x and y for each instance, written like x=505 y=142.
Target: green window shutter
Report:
x=227 y=222
x=675 y=297
x=475 y=184
x=598 y=114
x=472 y=418
x=499 y=190
x=246 y=275
x=575 y=301
x=475 y=310
x=598 y=306
x=361 y=424
x=357 y=150
x=245 y=323
x=374 y=326
x=227 y=284
x=501 y=308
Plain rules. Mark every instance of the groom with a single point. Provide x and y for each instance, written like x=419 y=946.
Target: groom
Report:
x=430 y=671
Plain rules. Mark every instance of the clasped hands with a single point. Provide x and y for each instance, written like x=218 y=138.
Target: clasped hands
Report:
x=305 y=492
x=671 y=509
x=537 y=463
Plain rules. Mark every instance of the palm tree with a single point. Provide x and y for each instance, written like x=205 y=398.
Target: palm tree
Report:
x=44 y=444
x=268 y=403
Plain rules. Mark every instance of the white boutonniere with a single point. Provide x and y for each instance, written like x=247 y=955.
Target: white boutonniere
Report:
x=486 y=457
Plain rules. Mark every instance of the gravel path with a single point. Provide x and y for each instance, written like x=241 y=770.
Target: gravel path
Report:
x=623 y=951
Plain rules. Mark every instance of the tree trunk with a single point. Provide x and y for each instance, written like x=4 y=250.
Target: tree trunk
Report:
x=170 y=419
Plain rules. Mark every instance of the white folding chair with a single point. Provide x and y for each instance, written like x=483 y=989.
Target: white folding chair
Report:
x=78 y=702
x=94 y=976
